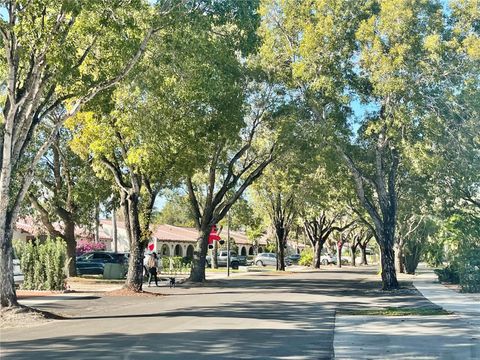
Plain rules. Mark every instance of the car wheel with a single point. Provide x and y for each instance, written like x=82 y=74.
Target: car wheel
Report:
x=259 y=263
x=324 y=262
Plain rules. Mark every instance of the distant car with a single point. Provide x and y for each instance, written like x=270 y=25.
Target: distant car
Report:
x=93 y=263
x=268 y=259
x=294 y=258
x=242 y=260
x=222 y=259
x=327 y=259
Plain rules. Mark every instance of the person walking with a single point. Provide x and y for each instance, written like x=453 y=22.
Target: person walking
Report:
x=152 y=265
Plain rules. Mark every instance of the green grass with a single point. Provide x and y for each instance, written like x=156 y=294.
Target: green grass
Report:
x=391 y=311
x=94 y=279
x=220 y=270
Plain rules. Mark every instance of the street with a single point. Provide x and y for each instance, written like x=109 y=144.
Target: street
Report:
x=254 y=316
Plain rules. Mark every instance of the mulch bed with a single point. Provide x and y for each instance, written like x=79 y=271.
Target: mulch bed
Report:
x=23 y=316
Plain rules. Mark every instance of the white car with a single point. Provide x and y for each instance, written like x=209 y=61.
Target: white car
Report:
x=327 y=259
x=265 y=259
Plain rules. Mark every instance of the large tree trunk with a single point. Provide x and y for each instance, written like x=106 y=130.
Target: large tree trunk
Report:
x=214 y=255
x=280 y=234
x=363 y=251
x=317 y=254
x=135 y=267
x=353 y=250
x=197 y=273
x=8 y=296
x=339 y=256
x=389 y=276
x=69 y=237
x=281 y=256
x=399 y=263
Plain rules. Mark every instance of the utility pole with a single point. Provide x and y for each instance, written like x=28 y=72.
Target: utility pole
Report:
x=228 y=244
x=114 y=226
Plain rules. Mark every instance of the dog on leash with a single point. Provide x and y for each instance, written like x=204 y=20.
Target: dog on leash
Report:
x=172 y=282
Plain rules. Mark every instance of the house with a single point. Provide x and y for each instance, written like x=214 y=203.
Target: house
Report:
x=27 y=229
x=167 y=240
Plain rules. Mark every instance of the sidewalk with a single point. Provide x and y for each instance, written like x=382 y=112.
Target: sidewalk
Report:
x=454 y=336
x=427 y=283
x=466 y=306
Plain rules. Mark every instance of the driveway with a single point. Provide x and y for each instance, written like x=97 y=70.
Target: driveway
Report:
x=255 y=316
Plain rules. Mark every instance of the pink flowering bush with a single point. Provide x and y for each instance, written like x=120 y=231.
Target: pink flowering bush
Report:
x=84 y=246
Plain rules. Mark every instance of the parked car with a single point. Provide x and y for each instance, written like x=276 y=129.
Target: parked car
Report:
x=93 y=263
x=294 y=258
x=242 y=260
x=222 y=259
x=268 y=259
x=327 y=259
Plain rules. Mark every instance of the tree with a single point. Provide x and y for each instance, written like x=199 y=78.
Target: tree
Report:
x=360 y=237
x=176 y=211
x=237 y=159
x=67 y=191
x=57 y=55
x=378 y=56
x=148 y=137
x=318 y=230
x=278 y=199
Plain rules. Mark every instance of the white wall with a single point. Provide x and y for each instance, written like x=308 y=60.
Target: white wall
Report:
x=123 y=245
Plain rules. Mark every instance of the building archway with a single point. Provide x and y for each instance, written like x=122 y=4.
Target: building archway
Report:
x=250 y=251
x=190 y=252
x=260 y=250
x=178 y=250
x=243 y=251
x=165 y=250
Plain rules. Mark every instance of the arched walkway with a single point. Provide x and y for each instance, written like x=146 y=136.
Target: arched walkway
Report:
x=190 y=251
x=178 y=250
x=260 y=250
x=243 y=251
x=250 y=251
x=165 y=250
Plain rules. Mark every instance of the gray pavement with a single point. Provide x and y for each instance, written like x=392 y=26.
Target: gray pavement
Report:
x=455 y=336
x=254 y=316
x=412 y=337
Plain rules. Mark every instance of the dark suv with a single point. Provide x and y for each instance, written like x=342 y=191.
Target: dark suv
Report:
x=93 y=263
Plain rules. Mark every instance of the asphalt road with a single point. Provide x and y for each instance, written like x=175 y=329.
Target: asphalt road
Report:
x=257 y=316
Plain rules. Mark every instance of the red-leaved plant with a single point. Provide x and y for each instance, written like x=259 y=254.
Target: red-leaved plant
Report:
x=85 y=245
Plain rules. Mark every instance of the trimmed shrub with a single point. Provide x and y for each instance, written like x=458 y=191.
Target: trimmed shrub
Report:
x=306 y=258
x=174 y=265
x=469 y=269
x=43 y=265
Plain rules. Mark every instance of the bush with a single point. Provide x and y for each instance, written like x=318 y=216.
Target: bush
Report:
x=85 y=246
x=43 y=265
x=174 y=265
x=468 y=263
x=448 y=274
x=306 y=258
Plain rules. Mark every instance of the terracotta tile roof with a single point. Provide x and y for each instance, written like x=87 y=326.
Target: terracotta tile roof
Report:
x=160 y=232
x=177 y=233
x=33 y=227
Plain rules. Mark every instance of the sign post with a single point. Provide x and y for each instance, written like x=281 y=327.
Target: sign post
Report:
x=228 y=244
